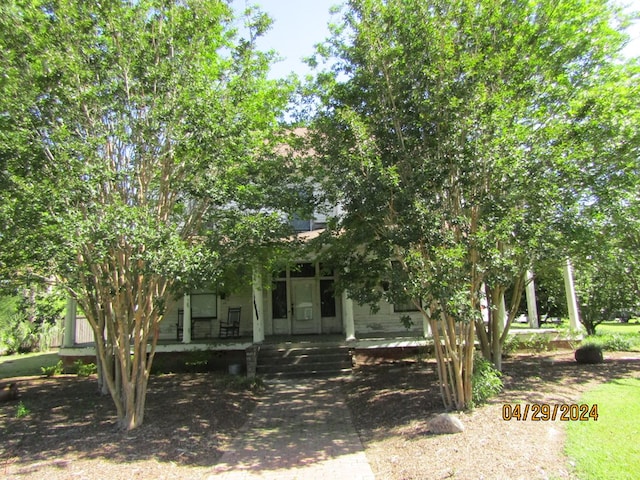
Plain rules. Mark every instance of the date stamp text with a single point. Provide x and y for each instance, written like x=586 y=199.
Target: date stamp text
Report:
x=544 y=412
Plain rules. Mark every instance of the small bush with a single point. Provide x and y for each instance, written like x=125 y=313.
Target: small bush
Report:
x=486 y=381
x=617 y=343
x=538 y=343
x=22 y=411
x=197 y=362
x=28 y=321
x=18 y=335
x=510 y=346
x=84 y=370
x=52 y=370
x=612 y=342
x=589 y=353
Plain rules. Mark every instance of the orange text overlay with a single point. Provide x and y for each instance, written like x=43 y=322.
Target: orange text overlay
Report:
x=544 y=412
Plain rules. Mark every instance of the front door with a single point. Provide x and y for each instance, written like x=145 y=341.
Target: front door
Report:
x=302 y=307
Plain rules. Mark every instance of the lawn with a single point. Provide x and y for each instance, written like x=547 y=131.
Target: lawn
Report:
x=611 y=336
x=618 y=327
x=26 y=364
x=609 y=447
x=617 y=336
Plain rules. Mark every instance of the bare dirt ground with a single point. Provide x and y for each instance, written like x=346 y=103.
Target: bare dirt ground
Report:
x=69 y=431
x=390 y=406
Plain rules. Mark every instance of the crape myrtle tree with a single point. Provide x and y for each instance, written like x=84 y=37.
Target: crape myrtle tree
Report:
x=135 y=161
x=442 y=128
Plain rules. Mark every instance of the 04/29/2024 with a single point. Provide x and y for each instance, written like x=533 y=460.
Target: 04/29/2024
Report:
x=545 y=412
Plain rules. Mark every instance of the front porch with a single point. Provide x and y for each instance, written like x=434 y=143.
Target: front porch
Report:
x=301 y=355
x=299 y=309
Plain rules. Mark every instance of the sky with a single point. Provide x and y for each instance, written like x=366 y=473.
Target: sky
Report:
x=300 y=24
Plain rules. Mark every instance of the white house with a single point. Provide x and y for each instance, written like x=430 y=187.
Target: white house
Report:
x=297 y=302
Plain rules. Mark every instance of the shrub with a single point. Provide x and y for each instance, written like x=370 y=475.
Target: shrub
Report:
x=612 y=342
x=485 y=380
x=46 y=335
x=84 y=370
x=22 y=411
x=29 y=320
x=52 y=370
x=538 y=343
x=511 y=345
x=589 y=353
x=617 y=343
x=18 y=335
x=197 y=362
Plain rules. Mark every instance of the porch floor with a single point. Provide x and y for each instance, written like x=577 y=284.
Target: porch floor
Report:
x=363 y=341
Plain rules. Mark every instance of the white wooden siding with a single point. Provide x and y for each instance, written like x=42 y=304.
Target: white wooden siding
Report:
x=385 y=320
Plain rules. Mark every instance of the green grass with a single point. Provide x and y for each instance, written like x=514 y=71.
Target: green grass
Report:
x=616 y=327
x=519 y=326
x=28 y=364
x=617 y=336
x=608 y=448
x=564 y=323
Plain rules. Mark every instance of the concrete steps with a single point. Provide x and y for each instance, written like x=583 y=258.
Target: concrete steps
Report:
x=303 y=359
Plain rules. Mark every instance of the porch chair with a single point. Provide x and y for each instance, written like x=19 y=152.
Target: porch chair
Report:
x=231 y=328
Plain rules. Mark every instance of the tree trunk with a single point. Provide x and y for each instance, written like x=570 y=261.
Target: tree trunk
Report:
x=493 y=336
x=125 y=327
x=497 y=324
x=453 y=347
x=104 y=363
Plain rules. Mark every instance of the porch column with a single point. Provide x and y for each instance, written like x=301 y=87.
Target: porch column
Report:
x=426 y=328
x=69 y=338
x=258 y=307
x=186 y=327
x=570 y=291
x=497 y=328
x=502 y=314
x=484 y=304
x=347 y=317
x=532 y=311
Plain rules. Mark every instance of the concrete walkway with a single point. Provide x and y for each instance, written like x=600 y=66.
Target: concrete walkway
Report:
x=301 y=429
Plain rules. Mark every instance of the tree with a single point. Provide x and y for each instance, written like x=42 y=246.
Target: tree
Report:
x=603 y=287
x=442 y=131
x=134 y=162
x=551 y=298
x=608 y=234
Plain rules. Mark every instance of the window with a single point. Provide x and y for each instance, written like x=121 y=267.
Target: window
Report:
x=327 y=299
x=408 y=306
x=279 y=300
x=204 y=305
x=326 y=270
x=300 y=224
x=304 y=270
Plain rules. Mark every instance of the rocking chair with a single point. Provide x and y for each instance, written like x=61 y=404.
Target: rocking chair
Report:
x=231 y=328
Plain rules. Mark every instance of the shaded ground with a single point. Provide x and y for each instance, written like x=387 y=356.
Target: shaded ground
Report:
x=190 y=421
x=301 y=430
x=70 y=431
